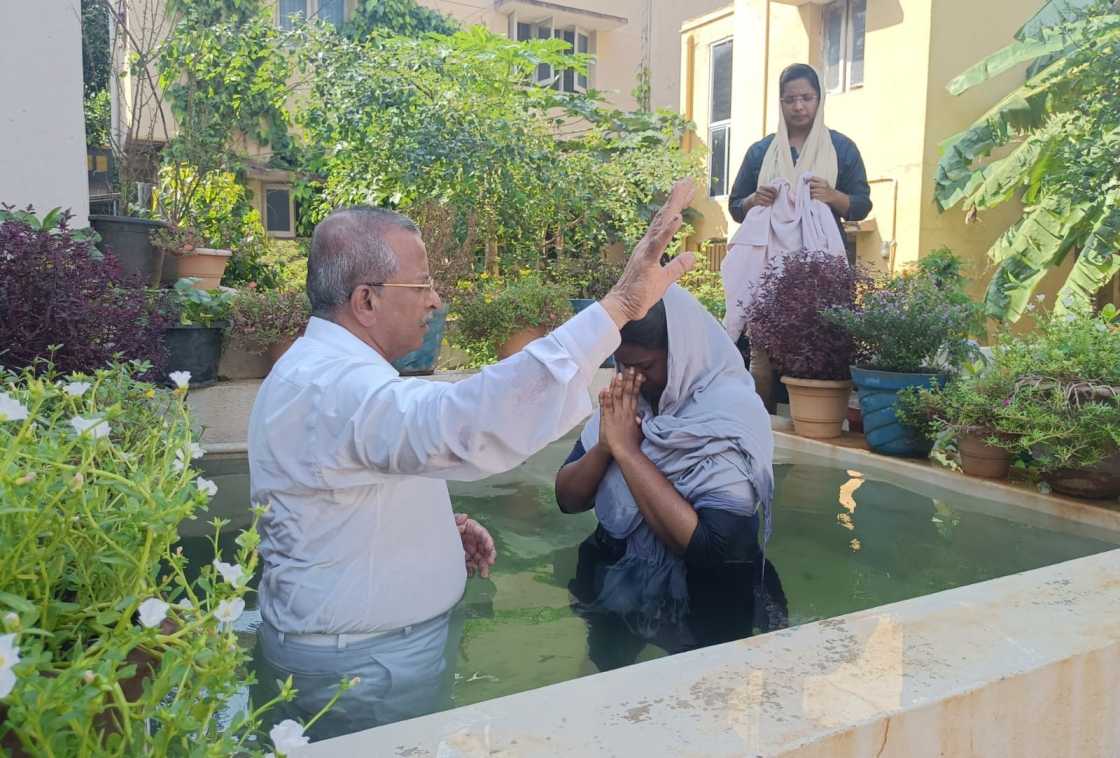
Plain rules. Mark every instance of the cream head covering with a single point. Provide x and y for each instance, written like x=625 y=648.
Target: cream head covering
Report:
x=817 y=156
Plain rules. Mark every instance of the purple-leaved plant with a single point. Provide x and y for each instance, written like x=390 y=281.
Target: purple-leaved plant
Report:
x=61 y=300
x=785 y=318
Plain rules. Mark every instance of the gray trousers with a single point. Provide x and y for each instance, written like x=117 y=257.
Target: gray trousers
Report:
x=404 y=674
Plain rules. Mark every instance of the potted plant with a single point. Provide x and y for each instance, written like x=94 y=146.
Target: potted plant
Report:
x=268 y=321
x=506 y=315
x=189 y=253
x=909 y=331
x=450 y=241
x=812 y=354
x=1063 y=412
x=194 y=342
x=967 y=410
x=115 y=644
x=100 y=313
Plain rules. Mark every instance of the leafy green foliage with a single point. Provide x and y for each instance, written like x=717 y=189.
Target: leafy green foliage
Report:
x=224 y=70
x=395 y=121
x=195 y=307
x=919 y=321
x=403 y=17
x=491 y=310
x=1063 y=126
x=707 y=287
x=1064 y=409
x=260 y=319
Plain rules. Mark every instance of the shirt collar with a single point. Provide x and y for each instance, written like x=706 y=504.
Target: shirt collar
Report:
x=341 y=338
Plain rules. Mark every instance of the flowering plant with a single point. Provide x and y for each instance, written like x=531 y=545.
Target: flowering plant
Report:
x=108 y=647
x=491 y=309
x=259 y=319
x=913 y=322
x=786 y=319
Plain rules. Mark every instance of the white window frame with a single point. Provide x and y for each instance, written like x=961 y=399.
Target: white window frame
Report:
x=311 y=10
x=290 y=232
x=544 y=75
x=847 y=46
x=723 y=125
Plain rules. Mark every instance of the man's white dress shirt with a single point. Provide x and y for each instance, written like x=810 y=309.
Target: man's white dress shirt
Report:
x=360 y=535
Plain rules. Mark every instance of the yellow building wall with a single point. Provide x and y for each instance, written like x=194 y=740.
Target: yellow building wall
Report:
x=956 y=46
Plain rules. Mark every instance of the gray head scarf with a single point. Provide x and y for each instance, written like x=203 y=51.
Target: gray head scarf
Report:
x=711 y=439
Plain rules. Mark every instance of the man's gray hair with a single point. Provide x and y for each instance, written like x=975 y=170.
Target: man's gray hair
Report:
x=348 y=248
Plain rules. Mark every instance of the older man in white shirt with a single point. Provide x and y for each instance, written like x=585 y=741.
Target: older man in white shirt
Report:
x=362 y=555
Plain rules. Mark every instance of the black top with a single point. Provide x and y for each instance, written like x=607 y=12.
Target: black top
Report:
x=851 y=178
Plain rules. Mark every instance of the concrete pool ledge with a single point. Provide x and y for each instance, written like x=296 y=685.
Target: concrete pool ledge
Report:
x=1026 y=665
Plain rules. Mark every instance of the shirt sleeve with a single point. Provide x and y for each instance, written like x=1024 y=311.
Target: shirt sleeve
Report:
x=746 y=182
x=578 y=451
x=487 y=423
x=852 y=181
x=721 y=537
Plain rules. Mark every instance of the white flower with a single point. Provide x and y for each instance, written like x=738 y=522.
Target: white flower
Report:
x=182 y=379
x=177 y=465
x=207 y=486
x=11 y=409
x=1040 y=297
x=96 y=427
x=185 y=604
x=180 y=462
x=76 y=389
x=230 y=610
x=152 y=612
x=9 y=657
x=287 y=735
x=231 y=572
x=89 y=677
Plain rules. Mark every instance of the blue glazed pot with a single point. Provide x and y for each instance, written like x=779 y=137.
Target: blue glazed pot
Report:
x=878 y=394
x=578 y=304
x=423 y=361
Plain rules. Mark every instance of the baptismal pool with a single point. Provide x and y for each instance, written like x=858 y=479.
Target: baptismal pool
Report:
x=843 y=541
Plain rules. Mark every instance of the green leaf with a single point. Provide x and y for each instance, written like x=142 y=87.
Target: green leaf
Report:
x=1097 y=263
x=1052 y=41
x=1026 y=251
x=997 y=182
x=1051 y=14
x=1021 y=111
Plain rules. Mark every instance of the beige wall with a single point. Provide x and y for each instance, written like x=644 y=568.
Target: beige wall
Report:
x=953 y=53
x=42 y=128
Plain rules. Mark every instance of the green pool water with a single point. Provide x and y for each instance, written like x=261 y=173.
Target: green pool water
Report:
x=843 y=541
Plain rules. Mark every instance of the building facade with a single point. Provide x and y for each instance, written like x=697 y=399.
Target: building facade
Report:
x=885 y=66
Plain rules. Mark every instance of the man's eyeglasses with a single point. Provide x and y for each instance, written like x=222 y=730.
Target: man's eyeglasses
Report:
x=428 y=285
x=795 y=99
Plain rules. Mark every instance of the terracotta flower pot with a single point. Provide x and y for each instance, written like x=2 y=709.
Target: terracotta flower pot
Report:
x=277 y=349
x=978 y=458
x=1098 y=482
x=518 y=340
x=206 y=266
x=818 y=406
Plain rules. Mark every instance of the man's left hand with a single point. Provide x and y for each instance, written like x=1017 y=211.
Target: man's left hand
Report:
x=478 y=545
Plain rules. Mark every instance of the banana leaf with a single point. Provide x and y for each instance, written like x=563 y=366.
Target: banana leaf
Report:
x=1051 y=14
x=997 y=182
x=1050 y=42
x=1097 y=263
x=1021 y=111
x=1026 y=252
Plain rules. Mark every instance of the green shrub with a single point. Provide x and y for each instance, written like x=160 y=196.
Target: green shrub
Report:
x=260 y=319
x=491 y=310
